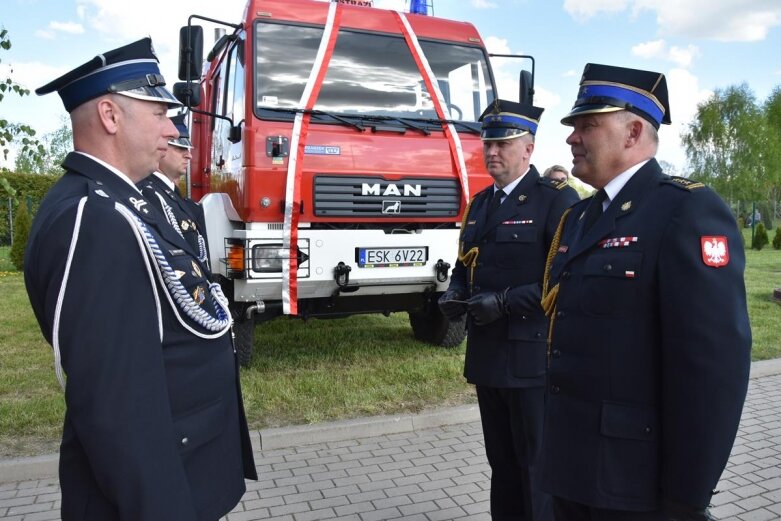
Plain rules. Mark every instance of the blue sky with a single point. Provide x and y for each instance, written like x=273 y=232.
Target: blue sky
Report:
x=701 y=45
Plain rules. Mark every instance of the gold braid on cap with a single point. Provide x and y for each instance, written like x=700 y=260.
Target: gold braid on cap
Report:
x=549 y=296
x=469 y=259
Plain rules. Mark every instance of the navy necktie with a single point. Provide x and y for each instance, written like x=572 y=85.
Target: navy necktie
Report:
x=594 y=210
x=496 y=200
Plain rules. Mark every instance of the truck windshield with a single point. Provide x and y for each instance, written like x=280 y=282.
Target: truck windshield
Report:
x=370 y=74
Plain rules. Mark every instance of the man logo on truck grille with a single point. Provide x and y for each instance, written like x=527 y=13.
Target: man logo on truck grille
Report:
x=391 y=207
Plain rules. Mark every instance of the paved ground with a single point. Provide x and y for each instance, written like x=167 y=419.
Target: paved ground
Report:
x=404 y=468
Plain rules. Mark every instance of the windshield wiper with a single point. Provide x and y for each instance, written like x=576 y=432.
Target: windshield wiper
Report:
x=340 y=119
x=403 y=121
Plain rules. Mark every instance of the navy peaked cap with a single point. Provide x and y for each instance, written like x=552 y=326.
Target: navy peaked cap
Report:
x=183 y=141
x=508 y=120
x=604 y=88
x=131 y=70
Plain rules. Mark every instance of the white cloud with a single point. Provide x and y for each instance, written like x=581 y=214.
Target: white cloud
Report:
x=44 y=35
x=724 y=20
x=483 y=4
x=681 y=56
x=67 y=27
x=585 y=9
x=651 y=49
x=570 y=74
x=685 y=94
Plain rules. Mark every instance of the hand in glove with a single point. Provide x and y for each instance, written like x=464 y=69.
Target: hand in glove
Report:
x=451 y=303
x=488 y=307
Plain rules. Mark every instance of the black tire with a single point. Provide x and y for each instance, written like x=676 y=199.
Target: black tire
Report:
x=244 y=339
x=433 y=327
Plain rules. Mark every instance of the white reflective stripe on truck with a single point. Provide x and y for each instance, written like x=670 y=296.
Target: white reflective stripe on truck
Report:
x=294 y=168
x=432 y=85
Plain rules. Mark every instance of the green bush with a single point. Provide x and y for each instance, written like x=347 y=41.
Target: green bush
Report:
x=22 y=224
x=777 y=239
x=760 y=239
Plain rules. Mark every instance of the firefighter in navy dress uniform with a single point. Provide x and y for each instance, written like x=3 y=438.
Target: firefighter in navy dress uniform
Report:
x=154 y=425
x=161 y=188
x=497 y=282
x=650 y=340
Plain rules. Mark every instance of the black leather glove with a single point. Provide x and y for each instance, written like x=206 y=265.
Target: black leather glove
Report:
x=488 y=307
x=451 y=303
x=679 y=512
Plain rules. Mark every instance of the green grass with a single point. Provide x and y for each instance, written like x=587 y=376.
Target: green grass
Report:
x=302 y=372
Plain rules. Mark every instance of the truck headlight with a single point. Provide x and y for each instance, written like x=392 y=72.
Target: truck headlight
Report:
x=268 y=258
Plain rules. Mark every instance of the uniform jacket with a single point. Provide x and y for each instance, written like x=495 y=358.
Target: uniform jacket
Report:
x=650 y=348
x=513 y=246
x=185 y=213
x=154 y=425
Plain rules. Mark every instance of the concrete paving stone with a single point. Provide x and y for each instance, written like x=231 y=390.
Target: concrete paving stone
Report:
x=758 y=515
x=352 y=480
x=482 y=516
x=390 y=502
x=29 y=509
x=428 y=495
x=344 y=464
x=775 y=507
x=16 y=501
x=730 y=509
x=413 y=517
x=417 y=508
x=354 y=508
x=248 y=515
x=772 y=483
x=277 y=491
x=397 y=465
x=302 y=497
x=753 y=503
x=369 y=495
x=414 y=471
x=266 y=503
x=329 y=475
x=288 y=509
x=380 y=515
x=723 y=497
x=377 y=485
x=50 y=497
x=314 y=515
x=773 y=495
x=7 y=494
x=446 y=514
x=362 y=470
x=330 y=502
x=293 y=480
x=444 y=474
x=432 y=485
x=405 y=490
x=43 y=516
x=341 y=491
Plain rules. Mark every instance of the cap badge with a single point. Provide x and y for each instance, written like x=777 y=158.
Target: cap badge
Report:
x=626 y=206
x=522 y=198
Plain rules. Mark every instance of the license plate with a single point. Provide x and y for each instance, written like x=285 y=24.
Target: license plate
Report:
x=391 y=257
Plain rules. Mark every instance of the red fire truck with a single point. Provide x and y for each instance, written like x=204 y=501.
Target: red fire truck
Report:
x=336 y=148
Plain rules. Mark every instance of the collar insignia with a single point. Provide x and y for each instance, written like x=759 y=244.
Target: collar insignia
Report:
x=626 y=206
x=199 y=295
x=196 y=270
x=178 y=274
x=522 y=198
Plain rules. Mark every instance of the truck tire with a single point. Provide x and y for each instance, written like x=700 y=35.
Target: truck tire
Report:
x=244 y=338
x=433 y=327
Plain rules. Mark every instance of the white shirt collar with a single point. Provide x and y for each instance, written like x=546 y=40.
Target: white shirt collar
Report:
x=510 y=187
x=111 y=169
x=168 y=182
x=618 y=182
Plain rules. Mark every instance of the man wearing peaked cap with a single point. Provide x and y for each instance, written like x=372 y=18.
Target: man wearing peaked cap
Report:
x=183 y=214
x=496 y=289
x=650 y=340
x=154 y=425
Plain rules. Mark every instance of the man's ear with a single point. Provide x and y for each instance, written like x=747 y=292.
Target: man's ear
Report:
x=634 y=131
x=108 y=114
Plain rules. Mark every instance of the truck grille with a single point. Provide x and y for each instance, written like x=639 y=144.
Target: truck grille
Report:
x=351 y=196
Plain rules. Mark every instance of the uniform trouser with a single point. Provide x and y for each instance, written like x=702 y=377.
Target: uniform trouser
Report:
x=512 y=429
x=565 y=510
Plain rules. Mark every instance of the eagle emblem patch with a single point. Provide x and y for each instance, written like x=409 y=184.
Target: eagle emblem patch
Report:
x=715 y=252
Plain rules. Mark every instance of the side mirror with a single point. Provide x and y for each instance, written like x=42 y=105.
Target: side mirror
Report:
x=526 y=88
x=190 y=52
x=189 y=93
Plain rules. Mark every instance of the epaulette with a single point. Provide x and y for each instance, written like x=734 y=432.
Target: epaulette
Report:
x=682 y=183
x=553 y=183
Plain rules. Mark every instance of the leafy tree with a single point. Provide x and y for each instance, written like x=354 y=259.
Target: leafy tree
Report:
x=760 y=239
x=22 y=225
x=18 y=133
x=777 y=239
x=57 y=144
x=772 y=111
x=730 y=145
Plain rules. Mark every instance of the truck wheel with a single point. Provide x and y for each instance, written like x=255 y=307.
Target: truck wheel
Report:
x=434 y=328
x=244 y=331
